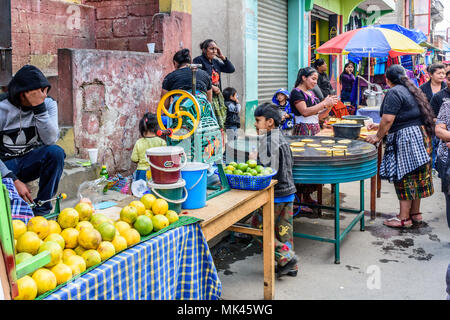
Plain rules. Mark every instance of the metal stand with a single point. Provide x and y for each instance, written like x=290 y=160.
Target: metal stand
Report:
x=338 y=236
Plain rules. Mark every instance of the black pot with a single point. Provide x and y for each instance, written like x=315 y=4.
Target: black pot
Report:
x=358 y=119
x=347 y=130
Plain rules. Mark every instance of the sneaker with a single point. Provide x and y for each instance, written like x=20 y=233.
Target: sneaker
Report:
x=288 y=269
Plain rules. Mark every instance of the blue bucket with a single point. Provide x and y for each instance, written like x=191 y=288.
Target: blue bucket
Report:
x=195 y=174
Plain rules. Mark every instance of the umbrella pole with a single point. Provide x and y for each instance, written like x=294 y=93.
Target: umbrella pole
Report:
x=368 y=78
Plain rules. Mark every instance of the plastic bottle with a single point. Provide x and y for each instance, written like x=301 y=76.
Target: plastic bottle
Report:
x=104 y=173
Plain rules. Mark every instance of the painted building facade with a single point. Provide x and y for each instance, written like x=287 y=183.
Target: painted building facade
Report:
x=269 y=41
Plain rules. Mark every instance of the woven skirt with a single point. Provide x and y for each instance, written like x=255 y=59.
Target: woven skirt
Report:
x=415 y=185
x=306 y=129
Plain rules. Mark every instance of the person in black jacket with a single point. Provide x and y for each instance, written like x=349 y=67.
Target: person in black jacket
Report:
x=323 y=82
x=441 y=97
x=274 y=151
x=233 y=121
x=214 y=63
x=430 y=88
x=436 y=83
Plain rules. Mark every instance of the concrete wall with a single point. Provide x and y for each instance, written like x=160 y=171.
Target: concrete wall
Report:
x=223 y=21
x=106 y=92
x=397 y=17
x=39 y=28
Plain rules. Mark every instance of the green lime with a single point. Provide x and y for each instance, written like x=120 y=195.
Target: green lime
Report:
x=234 y=164
x=243 y=167
x=252 y=163
x=238 y=172
x=259 y=168
x=228 y=172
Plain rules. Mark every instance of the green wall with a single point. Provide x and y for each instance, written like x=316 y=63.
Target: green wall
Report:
x=251 y=63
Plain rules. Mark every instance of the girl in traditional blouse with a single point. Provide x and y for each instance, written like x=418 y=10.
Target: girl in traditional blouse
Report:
x=307 y=108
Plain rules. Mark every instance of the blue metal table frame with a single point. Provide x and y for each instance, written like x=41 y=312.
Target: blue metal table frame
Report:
x=335 y=175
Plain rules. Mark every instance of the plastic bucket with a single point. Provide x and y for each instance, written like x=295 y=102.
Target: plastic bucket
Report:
x=172 y=193
x=165 y=163
x=195 y=174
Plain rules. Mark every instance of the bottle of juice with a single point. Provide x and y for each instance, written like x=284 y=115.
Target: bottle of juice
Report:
x=104 y=173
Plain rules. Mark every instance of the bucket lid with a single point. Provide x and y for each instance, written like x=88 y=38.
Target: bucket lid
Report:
x=179 y=184
x=195 y=166
x=164 y=151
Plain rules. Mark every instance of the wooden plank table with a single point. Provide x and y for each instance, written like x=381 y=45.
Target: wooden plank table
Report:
x=222 y=212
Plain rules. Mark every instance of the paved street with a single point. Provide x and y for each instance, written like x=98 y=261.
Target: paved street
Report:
x=411 y=264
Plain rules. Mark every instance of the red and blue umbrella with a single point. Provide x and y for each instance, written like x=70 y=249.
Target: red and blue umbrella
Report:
x=371 y=42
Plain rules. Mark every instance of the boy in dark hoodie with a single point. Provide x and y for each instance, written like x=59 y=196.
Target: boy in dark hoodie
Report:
x=274 y=151
x=28 y=133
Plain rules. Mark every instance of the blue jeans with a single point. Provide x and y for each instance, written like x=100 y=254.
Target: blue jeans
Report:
x=45 y=163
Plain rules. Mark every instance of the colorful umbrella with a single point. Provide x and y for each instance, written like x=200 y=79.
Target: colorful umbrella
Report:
x=371 y=42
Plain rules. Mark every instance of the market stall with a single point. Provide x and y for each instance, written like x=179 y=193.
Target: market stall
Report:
x=152 y=245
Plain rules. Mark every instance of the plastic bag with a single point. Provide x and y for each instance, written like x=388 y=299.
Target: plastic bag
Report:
x=93 y=190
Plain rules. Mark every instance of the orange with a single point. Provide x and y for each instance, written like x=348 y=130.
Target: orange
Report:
x=129 y=214
x=143 y=225
x=131 y=236
x=84 y=224
x=19 y=228
x=27 y=288
x=68 y=218
x=140 y=207
x=85 y=211
x=70 y=236
x=106 y=250
x=89 y=238
x=45 y=280
x=54 y=227
x=148 y=200
x=107 y=231
x=121 y=226
x=160 y=207
x=172 y=216
x=68 y=253
x=91 y=257
x=56 y=238
x=77 y=264
x=159 y=222
x=40 y=226
x=98 y=219
x=62 y=272
x=55 y=252
x=28 y=242
x=119 y=243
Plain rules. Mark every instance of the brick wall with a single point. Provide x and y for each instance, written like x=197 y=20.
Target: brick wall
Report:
x=40 y=27
x=124 y=24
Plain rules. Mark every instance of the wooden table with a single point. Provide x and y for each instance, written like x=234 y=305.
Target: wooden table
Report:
x=222 y=212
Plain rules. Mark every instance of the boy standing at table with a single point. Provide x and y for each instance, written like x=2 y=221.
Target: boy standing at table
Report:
x=274 y=151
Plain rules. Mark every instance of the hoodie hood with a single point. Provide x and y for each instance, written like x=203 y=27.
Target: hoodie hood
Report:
x=26 y=79
x=283 y=91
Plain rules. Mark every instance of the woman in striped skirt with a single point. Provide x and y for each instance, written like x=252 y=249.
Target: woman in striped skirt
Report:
x=407 y=123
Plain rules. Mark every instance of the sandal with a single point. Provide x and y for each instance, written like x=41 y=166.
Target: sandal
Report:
x=417 y=220
x=396 y=222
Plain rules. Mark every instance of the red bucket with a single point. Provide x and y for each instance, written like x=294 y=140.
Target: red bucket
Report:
x=166 y=164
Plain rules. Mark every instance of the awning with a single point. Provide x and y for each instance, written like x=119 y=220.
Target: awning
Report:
x=429 y=45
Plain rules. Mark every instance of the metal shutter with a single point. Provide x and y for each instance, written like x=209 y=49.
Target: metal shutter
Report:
x=272 y=48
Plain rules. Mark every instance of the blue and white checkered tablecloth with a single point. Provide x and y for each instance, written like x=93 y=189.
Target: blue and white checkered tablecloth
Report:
x=176 y=265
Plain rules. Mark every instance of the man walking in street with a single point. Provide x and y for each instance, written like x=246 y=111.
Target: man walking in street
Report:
x=28 y=133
